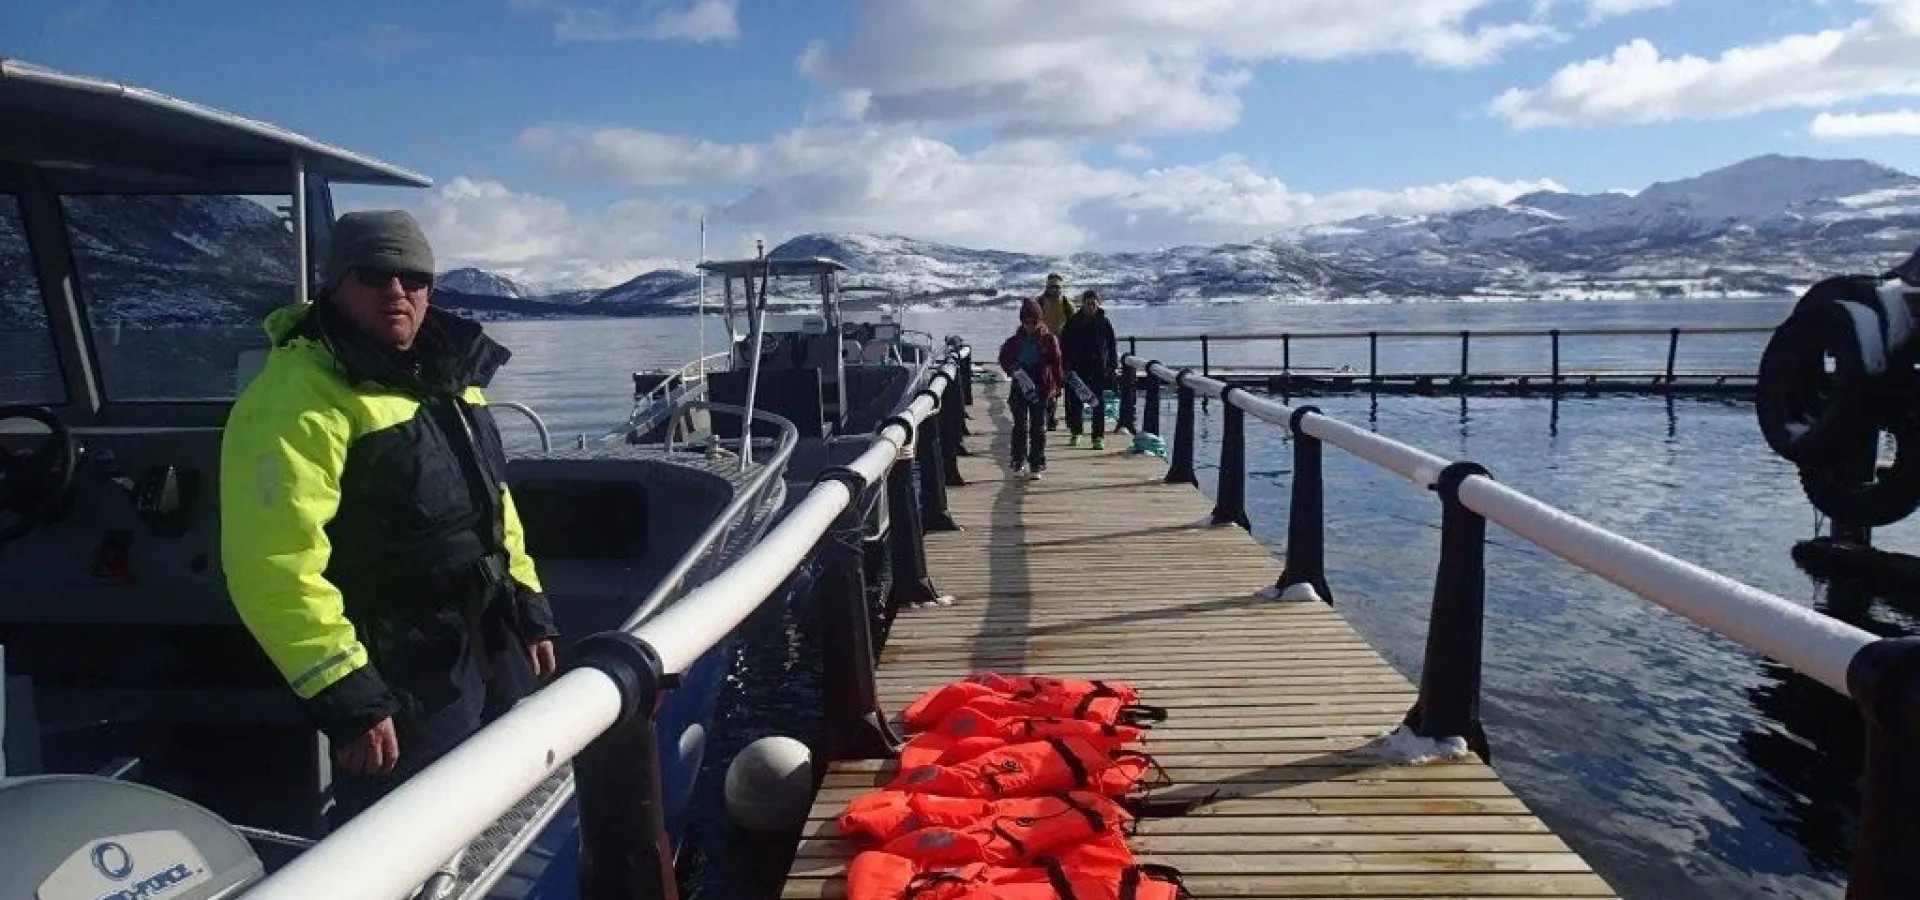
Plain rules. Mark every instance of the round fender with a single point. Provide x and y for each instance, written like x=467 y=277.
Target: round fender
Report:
x=1806 y=412
x=1885 y=497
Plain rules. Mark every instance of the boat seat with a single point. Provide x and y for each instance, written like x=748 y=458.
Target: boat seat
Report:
x=798 y=395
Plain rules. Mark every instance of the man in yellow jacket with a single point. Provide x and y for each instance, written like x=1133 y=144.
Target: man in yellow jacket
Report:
x=1055 y=309
x=368 y=537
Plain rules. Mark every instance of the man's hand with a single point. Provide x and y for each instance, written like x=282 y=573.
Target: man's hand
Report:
x=541 y=653
x=376 y=751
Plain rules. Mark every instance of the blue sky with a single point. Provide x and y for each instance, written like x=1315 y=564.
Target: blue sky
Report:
x=581 y=140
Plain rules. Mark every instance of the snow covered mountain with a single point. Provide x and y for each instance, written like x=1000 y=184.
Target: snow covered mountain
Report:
x=1768 y=226
x=482 y=283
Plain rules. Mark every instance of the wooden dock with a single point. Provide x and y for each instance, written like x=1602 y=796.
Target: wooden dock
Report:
x=1102 y=570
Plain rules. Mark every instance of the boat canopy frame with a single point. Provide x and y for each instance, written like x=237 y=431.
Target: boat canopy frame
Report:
x=71 y=135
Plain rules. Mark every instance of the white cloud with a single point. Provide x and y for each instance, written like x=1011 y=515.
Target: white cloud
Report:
x=1132 y=150
x=637 y=157
x=1851 y=126
x=1598 y=10
x=624 y=20
x=1636 y=85
x=1031 y=195
x=1087 y=67
x=475 y=222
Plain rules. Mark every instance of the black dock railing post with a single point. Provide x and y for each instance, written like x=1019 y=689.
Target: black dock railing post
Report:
x=1129 y=399
x=1180 y=468
x=1673 y=354
x=953 y=419
x=950 y=416
x=1150 y=417
x=1449 y=704
x=932 y=463
x=624 y=848
x=1373 y=359
x=1305 y=575
x=1466 y=350
x=1230 y=496
x=966 y=378
x=1884 y=679
x=1206 y=358
x=855 y=728
x=1555 y=334
x=906 y=541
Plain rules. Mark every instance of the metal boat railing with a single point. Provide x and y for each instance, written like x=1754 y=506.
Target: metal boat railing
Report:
x=1881 y=675
x=599 y=712
x=757 y=491
x=665 y=400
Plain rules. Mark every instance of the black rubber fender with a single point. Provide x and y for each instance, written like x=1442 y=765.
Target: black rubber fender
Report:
x=1835 y=488
x=1806 y=413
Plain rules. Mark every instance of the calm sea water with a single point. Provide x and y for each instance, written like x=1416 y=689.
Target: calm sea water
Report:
x=1680 y=764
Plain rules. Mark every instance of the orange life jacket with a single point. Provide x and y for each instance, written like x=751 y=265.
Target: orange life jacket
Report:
x=955 y=830
x=1001 y=696
x=966 y=733
x=1031 y=769
x=1094 y=871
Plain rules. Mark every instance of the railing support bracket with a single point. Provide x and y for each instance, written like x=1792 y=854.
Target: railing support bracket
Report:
x=1449 y=704
x=624 y=850
x=1884 y=679
x=1304 y=577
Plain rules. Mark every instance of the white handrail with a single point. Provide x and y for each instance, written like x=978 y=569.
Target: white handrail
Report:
x=389 y=849
x=1814 y=645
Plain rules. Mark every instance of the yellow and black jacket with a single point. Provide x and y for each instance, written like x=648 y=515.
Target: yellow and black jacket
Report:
x=368 y=538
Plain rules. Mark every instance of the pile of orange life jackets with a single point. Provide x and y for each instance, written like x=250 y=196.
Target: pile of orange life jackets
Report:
x=1011 y=788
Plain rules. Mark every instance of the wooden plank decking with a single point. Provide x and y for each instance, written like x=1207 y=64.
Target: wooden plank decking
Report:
x=1102 y=570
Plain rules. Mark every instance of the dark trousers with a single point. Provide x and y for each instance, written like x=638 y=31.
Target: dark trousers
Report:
x=494 y=672
x=1029 y=431
x=1077 y=412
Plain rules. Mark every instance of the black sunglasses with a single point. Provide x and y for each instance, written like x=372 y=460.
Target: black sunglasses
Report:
x=378 y=279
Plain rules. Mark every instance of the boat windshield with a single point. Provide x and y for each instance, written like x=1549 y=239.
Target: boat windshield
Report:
x=174 y=287
x=29 y=362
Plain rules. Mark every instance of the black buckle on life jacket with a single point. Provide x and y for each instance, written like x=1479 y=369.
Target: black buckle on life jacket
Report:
x=1140 y=715
x=1131 y=879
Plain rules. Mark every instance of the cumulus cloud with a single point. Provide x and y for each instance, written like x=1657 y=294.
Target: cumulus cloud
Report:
x=1034 y=195
x=1600 y=10
x=698 y=21
x=1851 y=126
x=1636 y=84
x=1094 y=67
x=479 y=222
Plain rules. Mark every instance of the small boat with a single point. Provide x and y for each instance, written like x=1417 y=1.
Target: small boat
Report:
x=141 y=239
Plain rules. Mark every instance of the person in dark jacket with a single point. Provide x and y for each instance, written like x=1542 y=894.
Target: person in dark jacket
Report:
x=1092 y=355
x=368 y=538
x=1032 y=352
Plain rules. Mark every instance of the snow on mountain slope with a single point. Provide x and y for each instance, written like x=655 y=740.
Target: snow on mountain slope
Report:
x=1768 y=225
x=481 y=282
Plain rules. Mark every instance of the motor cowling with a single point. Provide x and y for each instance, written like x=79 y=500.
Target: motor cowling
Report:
x=81 y=837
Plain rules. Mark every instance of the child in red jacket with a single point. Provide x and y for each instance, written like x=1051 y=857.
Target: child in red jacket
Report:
x=1031 y=359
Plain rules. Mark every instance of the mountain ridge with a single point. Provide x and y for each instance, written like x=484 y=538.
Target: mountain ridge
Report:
x=1768 y=225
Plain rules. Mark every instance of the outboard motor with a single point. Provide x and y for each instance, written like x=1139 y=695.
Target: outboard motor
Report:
x=1836 y=376
x=82 y=837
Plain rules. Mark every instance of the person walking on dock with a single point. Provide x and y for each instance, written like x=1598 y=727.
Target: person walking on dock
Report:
x=1055 y=308
x=1092 y=353
x=1031 y=359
